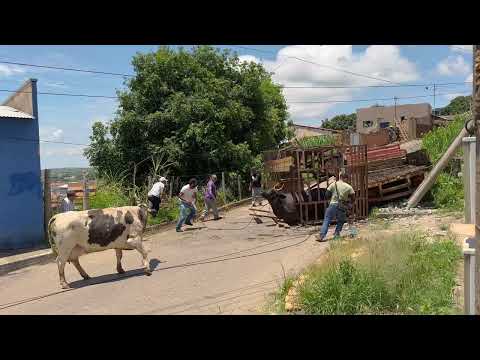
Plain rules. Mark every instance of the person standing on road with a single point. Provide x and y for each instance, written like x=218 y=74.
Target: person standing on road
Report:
x=342 y=197
x=154 y=196
x=67 y=203
x=211 y=199
x=187 y=196
x=256 y=187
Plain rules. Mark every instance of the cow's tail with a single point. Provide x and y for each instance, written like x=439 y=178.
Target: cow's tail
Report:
x=51 y=235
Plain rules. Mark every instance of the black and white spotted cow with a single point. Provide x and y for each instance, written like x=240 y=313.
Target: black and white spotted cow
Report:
x=76 y=233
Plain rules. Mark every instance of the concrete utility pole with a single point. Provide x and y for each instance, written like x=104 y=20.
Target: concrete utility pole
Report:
x=476 y=118
x=85 y=192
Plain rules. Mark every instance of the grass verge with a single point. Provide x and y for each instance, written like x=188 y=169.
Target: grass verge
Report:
x=402 y=273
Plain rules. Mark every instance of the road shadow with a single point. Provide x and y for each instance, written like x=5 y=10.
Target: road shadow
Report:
x=111 y=278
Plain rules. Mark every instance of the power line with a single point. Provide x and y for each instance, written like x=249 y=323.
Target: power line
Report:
x=362 y=100
x=66 y=69
x=375 y=86
x=462 y=49
x=318 y=64
x=60 y=94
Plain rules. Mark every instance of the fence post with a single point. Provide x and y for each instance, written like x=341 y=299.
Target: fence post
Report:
x=223 y=181
x=47 y=208
x=85 y=192
x=239 y=188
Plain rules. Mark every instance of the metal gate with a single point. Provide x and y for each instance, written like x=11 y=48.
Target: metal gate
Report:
x=307 y=173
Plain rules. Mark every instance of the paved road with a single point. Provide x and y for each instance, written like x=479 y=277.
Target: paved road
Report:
x=228 y=267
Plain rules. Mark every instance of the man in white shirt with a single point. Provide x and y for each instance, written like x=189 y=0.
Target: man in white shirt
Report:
x=67 y=203
x=154 y=195
x=187 y=196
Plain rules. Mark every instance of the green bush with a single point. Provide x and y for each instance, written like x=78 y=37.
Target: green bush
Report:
x=311 y=142
x=401 y=274
x=108 y=194
x=447 y=192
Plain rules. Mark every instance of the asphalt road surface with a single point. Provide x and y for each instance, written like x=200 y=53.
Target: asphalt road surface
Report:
x=228 y=266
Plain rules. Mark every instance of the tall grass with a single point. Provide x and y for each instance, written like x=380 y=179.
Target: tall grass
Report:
x=311 y=142
x=447 y=191
x=399 y=274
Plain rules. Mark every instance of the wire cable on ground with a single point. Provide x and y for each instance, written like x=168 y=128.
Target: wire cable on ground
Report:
x=187 y=264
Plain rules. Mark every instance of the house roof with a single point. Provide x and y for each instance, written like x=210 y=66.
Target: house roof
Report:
x=9 y=112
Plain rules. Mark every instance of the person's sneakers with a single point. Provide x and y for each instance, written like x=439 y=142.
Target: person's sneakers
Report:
x=253 y=205
x=179 y=230
x=320 y=239
x=220 y=217
x=188 y=223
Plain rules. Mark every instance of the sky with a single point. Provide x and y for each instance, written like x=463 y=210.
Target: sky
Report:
x=344 y=73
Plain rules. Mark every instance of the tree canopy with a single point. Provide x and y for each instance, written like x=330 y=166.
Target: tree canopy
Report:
x=341 y=122
x=206 y=108
x=459 y=105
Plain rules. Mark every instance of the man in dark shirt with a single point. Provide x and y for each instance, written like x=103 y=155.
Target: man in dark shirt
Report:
x=256 y=187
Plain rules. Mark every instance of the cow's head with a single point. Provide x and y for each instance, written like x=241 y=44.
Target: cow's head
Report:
x=272 y=195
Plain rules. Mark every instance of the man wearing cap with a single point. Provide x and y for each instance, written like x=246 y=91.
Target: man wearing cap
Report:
x=211 y=198
x=154 y=195
x=342 y=196
x=67 y=203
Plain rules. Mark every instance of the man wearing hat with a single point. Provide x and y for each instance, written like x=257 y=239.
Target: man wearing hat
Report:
x=154 y=195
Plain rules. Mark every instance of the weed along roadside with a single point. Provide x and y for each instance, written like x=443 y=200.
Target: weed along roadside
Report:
x=400 y=273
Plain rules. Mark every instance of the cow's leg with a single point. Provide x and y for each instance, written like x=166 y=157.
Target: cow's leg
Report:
x=82 y=272
x=118 y=252
x=62 y=258
x=136 y=243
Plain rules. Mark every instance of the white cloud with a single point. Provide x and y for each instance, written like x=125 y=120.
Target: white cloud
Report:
x=249 y=58
x=452 y=96
x=56 y=85
x=462 y=48
x=60 y=151
x=9 y=70
x=385 y=62
x=453 y=65
x=469 y=78
x=51 y=133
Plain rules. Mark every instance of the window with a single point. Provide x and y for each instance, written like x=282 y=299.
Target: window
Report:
x=367 y=124
x=384 y=124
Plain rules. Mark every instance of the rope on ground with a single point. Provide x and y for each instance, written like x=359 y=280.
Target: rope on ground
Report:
x=194 y=263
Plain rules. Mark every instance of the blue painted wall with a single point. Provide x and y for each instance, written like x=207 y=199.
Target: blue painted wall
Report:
x=21 y=199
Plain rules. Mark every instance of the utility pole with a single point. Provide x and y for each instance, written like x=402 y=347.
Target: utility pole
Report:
x=395 y=107
x=85 y=191
x=434 y=98
x=476 y=118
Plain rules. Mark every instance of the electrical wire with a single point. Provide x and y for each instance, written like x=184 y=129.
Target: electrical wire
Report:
x=65 y=68
x=194 y=263
x=318 y=64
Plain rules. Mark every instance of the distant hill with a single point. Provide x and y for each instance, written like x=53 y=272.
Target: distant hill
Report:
x=70 y=174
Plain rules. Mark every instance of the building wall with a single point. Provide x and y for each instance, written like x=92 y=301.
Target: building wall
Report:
x=387 y=115
x=21 y=199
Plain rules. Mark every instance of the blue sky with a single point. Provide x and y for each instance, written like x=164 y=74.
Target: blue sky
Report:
x=69 y=119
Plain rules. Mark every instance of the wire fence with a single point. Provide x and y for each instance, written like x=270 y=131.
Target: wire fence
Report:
x=91 y=193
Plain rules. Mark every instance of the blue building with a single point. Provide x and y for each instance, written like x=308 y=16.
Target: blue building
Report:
x=21 y=198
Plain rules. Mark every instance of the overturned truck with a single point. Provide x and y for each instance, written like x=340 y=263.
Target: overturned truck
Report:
x=298 y=179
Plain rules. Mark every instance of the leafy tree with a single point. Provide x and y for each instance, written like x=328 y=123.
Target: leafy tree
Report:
x=205 y=107
x=341 y=122
x=459 y=105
